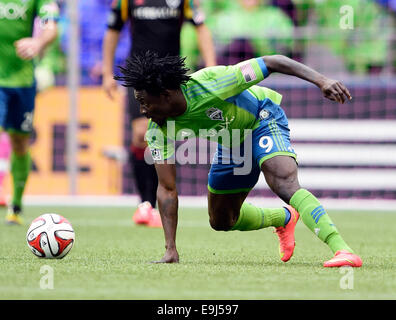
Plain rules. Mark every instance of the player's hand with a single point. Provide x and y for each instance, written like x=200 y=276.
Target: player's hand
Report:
x=28 y=48
x=170 y=256
x=109 y=85
x=335 y=91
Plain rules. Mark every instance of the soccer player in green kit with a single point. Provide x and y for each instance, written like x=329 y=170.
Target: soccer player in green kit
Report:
x=222 y=102
x=17 y=85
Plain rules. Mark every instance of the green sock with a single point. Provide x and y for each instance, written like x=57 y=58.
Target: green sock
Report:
x=317 y=220
x=254 y=218
x=20 y=169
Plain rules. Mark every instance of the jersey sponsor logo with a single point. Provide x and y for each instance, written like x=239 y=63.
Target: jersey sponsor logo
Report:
x=215 y=114
x=185 y=134
x=212 y=133
x=247 y=72
x=12 y=11
x=226 y=124
x=154 y=13
x=173 y=3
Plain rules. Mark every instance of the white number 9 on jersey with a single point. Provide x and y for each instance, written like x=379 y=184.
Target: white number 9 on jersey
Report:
x=266 y=143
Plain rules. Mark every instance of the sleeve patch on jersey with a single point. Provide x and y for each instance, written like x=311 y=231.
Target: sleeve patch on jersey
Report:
x=198 y=17
x=111 y=19
x=248 y=72
x=156 y=154
x=49 y=11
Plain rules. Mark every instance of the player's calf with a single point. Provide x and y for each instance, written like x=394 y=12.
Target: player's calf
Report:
x=319 y=222
x=280 y=173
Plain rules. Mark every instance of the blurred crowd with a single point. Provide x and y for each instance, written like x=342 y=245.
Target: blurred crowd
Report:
x=356 y=36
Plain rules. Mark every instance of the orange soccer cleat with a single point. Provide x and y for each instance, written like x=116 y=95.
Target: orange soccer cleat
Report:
x=155 y=219
x=147 y=215
x=286 y=235
x=343 y=258
x=142 y=214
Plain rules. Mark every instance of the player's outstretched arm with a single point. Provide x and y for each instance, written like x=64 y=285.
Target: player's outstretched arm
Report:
x=331 y=89
x=168 y=207
x=110 y=42
x=206 y=46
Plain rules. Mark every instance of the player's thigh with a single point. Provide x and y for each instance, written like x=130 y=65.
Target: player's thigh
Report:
x=225 y=176
x=228 y=188
x=4 y=106
x=224 y=209
x=273 y=152
x=19 y=120
x=21 y=110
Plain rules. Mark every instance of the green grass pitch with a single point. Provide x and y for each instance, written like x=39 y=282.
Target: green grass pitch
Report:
x=111 y=260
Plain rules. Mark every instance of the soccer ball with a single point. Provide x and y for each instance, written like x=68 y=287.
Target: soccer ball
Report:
x=50 y=236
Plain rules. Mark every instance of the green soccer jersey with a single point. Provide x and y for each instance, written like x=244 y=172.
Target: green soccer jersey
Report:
x=16 y=22
x=222 y=105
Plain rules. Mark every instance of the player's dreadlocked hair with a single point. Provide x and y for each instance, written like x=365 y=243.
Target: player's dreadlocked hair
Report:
x=148 y=71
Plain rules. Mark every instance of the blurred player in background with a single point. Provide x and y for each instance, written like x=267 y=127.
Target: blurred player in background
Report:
x=5 y=151
x=226 y=99
x=249 y=33
x=155 y=25
x=17 y=85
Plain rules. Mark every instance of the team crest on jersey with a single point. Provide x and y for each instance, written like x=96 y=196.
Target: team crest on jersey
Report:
x=173 y=3
x=215 y=114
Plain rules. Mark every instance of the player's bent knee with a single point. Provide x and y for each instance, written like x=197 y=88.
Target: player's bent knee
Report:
x=222 y=221
x=20 y=143
x=219 y=226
